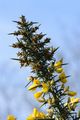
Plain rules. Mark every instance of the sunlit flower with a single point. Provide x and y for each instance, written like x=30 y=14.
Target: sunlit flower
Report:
x=36 y=115
x=38 y=94
x=58 y=66
x=74 y=100
x=58 y=63
x=11 y=117
x=35 y=112
x=35 y=84
x=33 y=87
x=36 y=81
x=42 y=115
x=59 y=70
x=45 y=87
x=71 y=93
x=30 y=117
x=62 y=77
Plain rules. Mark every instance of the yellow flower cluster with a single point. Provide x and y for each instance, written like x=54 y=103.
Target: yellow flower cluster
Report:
x=36 y=83
x=58 y=66
x=48 y=85
x=36 y=115
x=68 y=92
x=72 y=102
x=62 y=77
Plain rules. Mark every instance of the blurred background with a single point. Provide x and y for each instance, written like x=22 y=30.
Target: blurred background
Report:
x=60 y=20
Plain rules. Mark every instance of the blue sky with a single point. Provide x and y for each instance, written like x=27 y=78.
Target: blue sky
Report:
x=60 y=19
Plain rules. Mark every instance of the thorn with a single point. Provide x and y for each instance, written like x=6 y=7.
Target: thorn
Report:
x=15 y=59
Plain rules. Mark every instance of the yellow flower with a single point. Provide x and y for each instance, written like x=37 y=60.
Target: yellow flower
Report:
x=58 y=63
x=36 y=115
x=33 y=115
x=30 y=117
x=62 y=77
x=74 y=100
x=71 y=93
x=59 y=70
x=11 y=117
x=58 y=66
x=36 y=81
x=38 y=94
x=45 y=87
x=33 y=87
x=42 y=115
x=35 y=84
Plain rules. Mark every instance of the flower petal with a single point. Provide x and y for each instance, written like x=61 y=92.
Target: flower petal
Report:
x=38 y=94
x=44 y=87
x=58 y=63
x=71 y=93
x=11 y=117
x=33 y=87
x=62 y=77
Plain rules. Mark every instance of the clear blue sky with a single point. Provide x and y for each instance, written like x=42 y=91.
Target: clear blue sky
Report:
x=60 y=19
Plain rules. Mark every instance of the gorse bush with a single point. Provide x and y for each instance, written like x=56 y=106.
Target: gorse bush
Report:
x=48 y=74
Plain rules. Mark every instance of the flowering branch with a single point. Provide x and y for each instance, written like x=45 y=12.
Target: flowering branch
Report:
x=49 y=75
